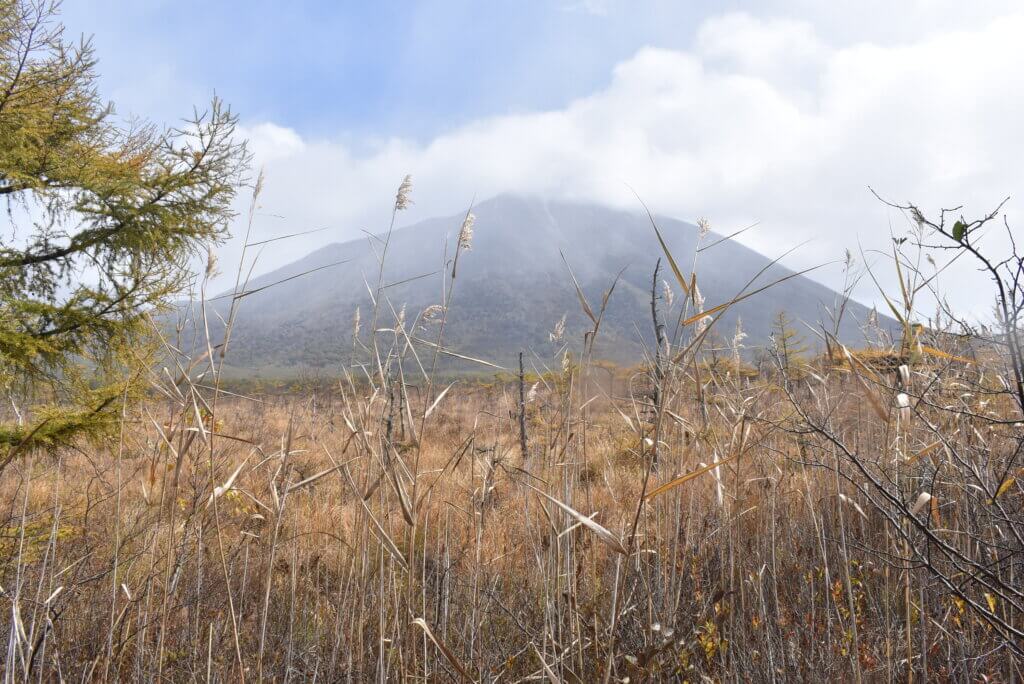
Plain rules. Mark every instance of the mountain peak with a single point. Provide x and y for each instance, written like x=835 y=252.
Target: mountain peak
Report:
x=513 y=286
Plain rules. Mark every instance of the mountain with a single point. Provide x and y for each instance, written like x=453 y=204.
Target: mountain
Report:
x=512 y=287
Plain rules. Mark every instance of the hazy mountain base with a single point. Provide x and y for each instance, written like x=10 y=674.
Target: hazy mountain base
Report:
x=512 y=289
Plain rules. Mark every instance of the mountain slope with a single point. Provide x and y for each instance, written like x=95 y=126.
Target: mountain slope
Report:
x=513 y=287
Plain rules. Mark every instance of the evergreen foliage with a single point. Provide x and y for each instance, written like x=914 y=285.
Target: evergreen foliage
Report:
x=790 y=347
x=103 y=218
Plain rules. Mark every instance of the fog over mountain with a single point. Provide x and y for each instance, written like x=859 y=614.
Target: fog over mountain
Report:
x=513 y=287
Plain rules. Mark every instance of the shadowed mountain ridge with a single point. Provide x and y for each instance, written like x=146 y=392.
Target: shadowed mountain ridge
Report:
x=512 y=287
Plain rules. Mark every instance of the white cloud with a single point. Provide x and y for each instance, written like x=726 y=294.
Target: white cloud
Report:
x=269 y=142
x=761 y=120
x=598 y=8
x=785 y=52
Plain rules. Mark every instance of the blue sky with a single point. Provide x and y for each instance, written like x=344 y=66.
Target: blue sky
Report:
x=780 y=111
x=369 y=68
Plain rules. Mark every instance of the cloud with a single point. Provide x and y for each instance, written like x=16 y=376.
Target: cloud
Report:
x=597 y=8
x=784 y=52
x=760 y=120
x=270 y=142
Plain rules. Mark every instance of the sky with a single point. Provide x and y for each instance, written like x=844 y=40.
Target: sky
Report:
x=779 y=112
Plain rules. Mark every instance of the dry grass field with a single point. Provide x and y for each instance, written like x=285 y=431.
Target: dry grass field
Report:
x=347 y=535
x=854 y=517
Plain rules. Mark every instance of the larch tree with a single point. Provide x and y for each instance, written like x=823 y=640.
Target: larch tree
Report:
x=789 y=346
x=103 y=219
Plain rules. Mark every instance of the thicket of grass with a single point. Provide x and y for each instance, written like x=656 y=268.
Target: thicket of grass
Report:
x=814 y=521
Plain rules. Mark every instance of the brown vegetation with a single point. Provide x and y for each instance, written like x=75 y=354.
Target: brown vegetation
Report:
x=577 y=523
x=306 y=564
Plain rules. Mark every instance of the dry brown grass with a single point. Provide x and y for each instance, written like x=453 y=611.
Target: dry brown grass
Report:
x=684 y=520
x=758 y=586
